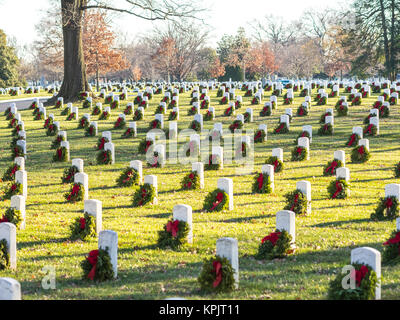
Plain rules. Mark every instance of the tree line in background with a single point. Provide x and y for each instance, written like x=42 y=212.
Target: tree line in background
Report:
x=363 y=41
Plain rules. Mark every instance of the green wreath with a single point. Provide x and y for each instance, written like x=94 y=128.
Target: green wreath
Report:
x=4 y=256
x=9 y=174
x=322 y=119
x=39 y=116
x=13 y=216
x=128 y=110
x=208 y=116
x=61 y=155
x=57 y=142
x=236 y=125
x=173 y=235
x=260 y=136
x=114 y=104
x=262 y=184
x=96 y=111
x=229 y=111
x=144 y=145
x=214 y=163
x=12 y=190
x=195 y=125
x=103 y=270
x=83 y=228
x=342 y=111
x=71 y=116
x=388 y=209
x=157 y=159
x=105 y=115
x=353 y=140
x=69 y=174
x=246 y=117
x=65 y=112
x=191 y=181
x=360 y=155
x=326 y=130
x=365 y=290
x=302 y=111
x=76 y=193
x=303 y=134
x=338 y=189
x=243 y=150
x=266 y=111
x=138 y=115
x=12 y=123
x=396 y=171
x=216 y=201
x=128 y=178
x=274 y=161
x=83 y=123
x=297 y=202
x=216 y=280
x=104 y=157
x=173 y=115
x=274 y=246
x=331 y=166
x=90 y=131
x=299 y=154
x=370 y=130
x=281 y=129
x=144 y=194
x=120 y=123
x=391 y=249
x=17 y=129
x=51 y=131
x=86 y=104
x=17 y=151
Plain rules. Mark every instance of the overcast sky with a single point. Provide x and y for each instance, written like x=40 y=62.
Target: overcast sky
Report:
x=18 y=17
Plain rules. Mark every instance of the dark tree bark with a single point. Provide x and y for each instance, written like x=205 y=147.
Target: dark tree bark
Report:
x=75 y=80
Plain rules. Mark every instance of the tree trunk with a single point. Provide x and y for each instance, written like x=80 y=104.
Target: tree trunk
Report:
x=75 y=80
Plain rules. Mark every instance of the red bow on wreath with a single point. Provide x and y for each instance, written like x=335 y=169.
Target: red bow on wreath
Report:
x=93 y=257
x=75 y=190
x=301 y=112
x=273 y=238
x=4 y=219
x=218 y=271
x=258 y=136
x=219 y=198
x=14 y=169
x=332 y=167
x=260 y=181
x=299 y=150
x=361 y=150
x=296 y=199
x=102 y=143
x=59 y=153
x=389 y=203
x=339 y=189
x=82 y=222
x=369 y=129
x=148 y=144
x=359 y=275
x=173 y=227
x=280 y=127
x=276 y=163
x=352 y=139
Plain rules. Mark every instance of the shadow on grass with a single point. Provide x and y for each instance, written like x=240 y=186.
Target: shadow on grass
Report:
x=339 y=223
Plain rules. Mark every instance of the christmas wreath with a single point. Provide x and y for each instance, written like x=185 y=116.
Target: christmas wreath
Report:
x=302 y=111
x=338 y=189
x=391 y=250
x=138 y=115
x=360 y=154
x=48 y=122
x=323 y=116
x=229 y=111
x=370 y=130
x=61 y=155
x=105 y=115
x=216 y=201
x=144 y=194
x=96 y=111
x=114 y=104
x=104 y=157
x=384 y=112
x=83 y=123
x=287 y=101
x=223 y=101
x=274 y=161
x=322 y=101
x=9 y=174
x=71 y=116
x=388 y=209
x=392 y=101
x=297 y=202
x=13 y=216
x=156 y=160
x=90 y=131
x=208 y=116
x=120 y=123
x=366 y=282
x=58 y=104
x=356 y=101
x=160 y=109
x=144 y=146
x=330 y=168
x=195 y=99
x=238 y=104
x=155 y=124
x=173 y=235
x=342 y=110
x=69 y=174
x=172 y=116
x=246 y=117
x=39 y=116
x=128 y=110
x=137 y=100
x=172 y=104
x=217 y=275
x=12 y=190
x=57 y=142
x=260 y=136
x=326 y=130
x=83 y=228
x=204 y=104
x=52 y=130
x=262 y=184
x=195 y=125
x=97 y=266
x=191 y=181
x=266 y=111
x=192 y=149
x=242 y=150
x=255 y=101
x=236 y=125
x=17 y=129
x=275 y=245
x=17 y=151
x=281 y=129
x=108 y=99
x=299 y=154
x=128 y=178
x=353 y=140
x=75 y=194
x=12 y=123
x=65 y=112
x=129 y=133
x=214 y=163
x=192 y=111
x=86 y=104
x=303 y=134
x=82 y=95
x=4 y=256
x=101 y=142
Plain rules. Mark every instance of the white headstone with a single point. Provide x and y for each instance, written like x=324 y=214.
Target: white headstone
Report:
x=110 y=147
x=138 y=166
x=83 y=179
x=343 y=174
x=78 y=163
x=286 y=220
x=278 y=152
x=199 y=168
x=226 y=184
x=18 y=203
x=8 y=232
x=305 y=143
x=341 y=156
x=109 y=239
x=269 y=170
x=305 y=188
x=183 y=212
x=10 y=289
x=228 y=248
x=21 y=177
x=152 y=180
x=94 y=208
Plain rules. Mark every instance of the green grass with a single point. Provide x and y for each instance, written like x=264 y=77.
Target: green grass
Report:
x=25 y=96
x=324 y=238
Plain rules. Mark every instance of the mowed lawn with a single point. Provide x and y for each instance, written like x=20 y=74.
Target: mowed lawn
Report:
x=324 y=239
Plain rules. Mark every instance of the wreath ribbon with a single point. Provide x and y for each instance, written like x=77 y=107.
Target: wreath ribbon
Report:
x=332 y=167
x=219 y=198
x=339 y=189
x=296 y=200
x=173 y=227
x=218 y=272
x=93 y=258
